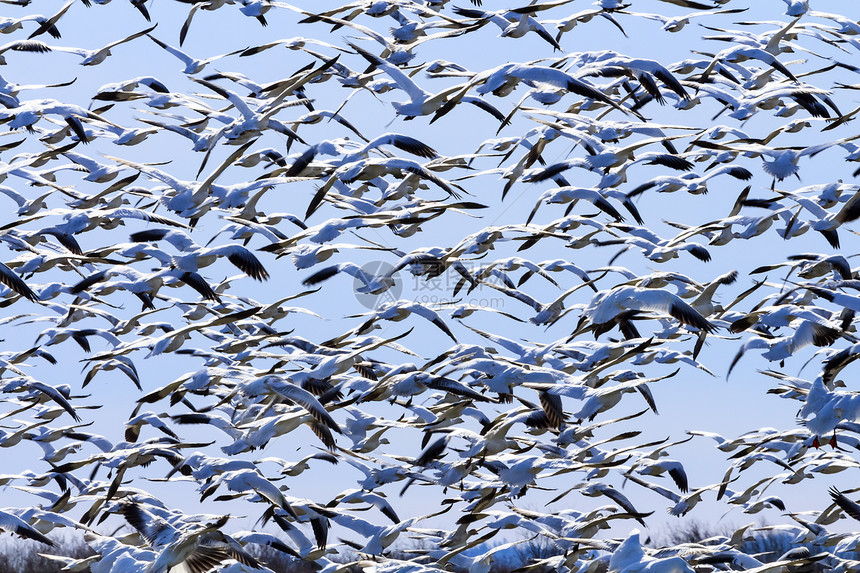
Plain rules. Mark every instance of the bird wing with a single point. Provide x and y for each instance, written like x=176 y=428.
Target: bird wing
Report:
x=14 y=282
x=304 y=399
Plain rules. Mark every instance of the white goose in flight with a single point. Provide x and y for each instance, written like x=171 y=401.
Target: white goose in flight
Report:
x=606 y=306
x=740 y=53
x=15 y=283
x=197 y=256
x=421 y=102
x=826 y=222
x=14 y=524
x=513 y=23
x=95 y=57
x=192 y=65
x=398 y=310
x=9 y=25
x=824 y=409
x=644 y=70
x=654 y=247
x=351 y=151
x=677 y=23
x=34 y=46
x=197 y=547
x=630 y=557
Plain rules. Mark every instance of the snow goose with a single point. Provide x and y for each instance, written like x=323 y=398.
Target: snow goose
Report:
x=353 y=496
x=646 y=465
x=605 y=398
x=197 y=547
x=653 y=247
x=558 y=265
x=836 y=362
x=421 y=102
x=257 y=9
x=143 y=286
x=351 y=154
x=96 y=172
x=254 y=122
x=189 y=198
x=569 y=194
x=33 y=46
x=14 y=524
x=825 y=222
x=693 y=183
x=60 y=334
x=824 y=409
x=814 y=265
x=677 y=23
x=595 y=489
x=371 y=169
x=408 y=381
x=607 y=305
x=247 y=481
x=259 y=433
x=198 y=257
x=276 y=387
x=28 y=113
x=378 y=537
x=27 y=208
x=95 y=57
x=609 y=63
x=613 y=178
x=111 y=552
x=780 y=348
x=570 y=22
x=205 y=5
x=740 y=53
x=630 y=557
x=297 y=468
x=318 y=115
x=513 y=23
x=847 y=26
x=192 y=65
x=49 y=25
x=504 y=78
x=377 y=473
x=372 y=284
x=16 y=284
x=852 y=508
x=399 y=310
x=603 y=157
x=750 y=102
x=406 y=37
x=296 y=43
x=210 y=419
x=796 y=7
x=134 y=425
x=683 y=504
x=545 y=313
x=200 y=141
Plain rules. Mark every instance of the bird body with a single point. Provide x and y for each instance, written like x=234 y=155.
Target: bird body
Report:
x=606 y=305
x=95 y=57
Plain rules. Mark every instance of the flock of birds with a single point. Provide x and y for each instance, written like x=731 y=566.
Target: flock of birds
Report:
x=489 y=401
